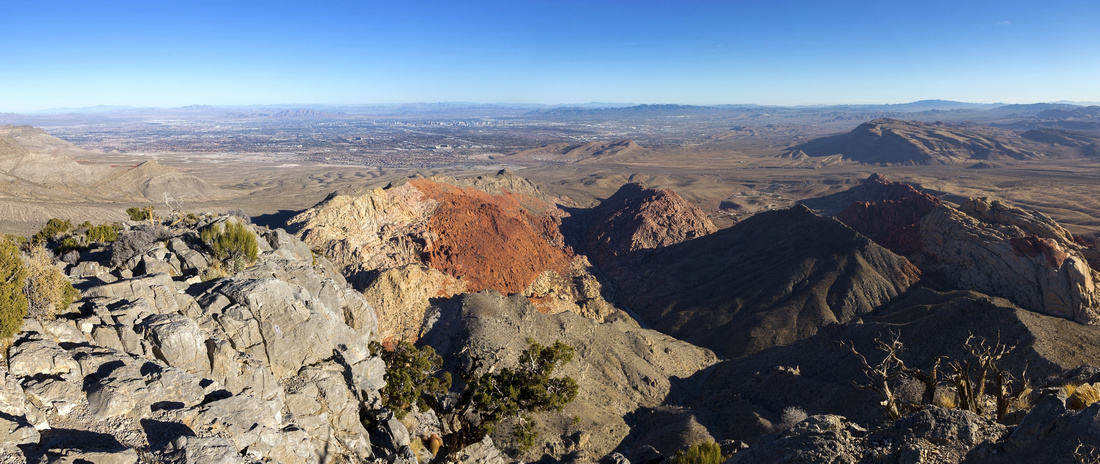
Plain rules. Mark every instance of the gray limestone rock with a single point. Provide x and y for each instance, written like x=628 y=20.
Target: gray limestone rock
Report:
x=296 y=329
x=16 y=431
x=483 y=452
x=240 y=372
x=80 y=456
x=178 y=341
x=36 y=355
x=64 y=331
x=821 y=438
x=191 y=261
x=201 y=450
x=172 y=388
x=15 y=427
x=1003 y=251
x=120 y=389
x=253 y=425
x=59 y=395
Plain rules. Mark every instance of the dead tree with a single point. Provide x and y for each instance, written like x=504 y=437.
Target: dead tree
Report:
x=880 y=375
x=891 y=368
x=972 y=392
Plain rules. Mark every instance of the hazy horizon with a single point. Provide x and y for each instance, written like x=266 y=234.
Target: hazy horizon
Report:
x=790 y=53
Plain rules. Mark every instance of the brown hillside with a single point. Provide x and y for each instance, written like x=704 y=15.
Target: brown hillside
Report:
x=891 y=141
x=580 y=153
x=771 y=279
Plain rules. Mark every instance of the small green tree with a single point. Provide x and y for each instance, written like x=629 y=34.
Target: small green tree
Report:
x=515 y=393
x=411 y=376
x=13 y=304
x=140 y=214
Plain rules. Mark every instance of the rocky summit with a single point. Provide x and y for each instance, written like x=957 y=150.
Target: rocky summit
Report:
x=887 y=212
x=637 y=218
x=443 y=236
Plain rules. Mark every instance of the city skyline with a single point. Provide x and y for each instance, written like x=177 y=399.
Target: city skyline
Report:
x=160 y=54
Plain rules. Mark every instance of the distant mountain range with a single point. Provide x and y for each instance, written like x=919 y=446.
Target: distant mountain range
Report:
x=1014 y=117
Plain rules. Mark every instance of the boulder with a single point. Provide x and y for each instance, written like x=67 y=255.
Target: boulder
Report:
x=297 y=330
x=34 y=355
x=178 y=341
x=253 y=426
x=201 y=450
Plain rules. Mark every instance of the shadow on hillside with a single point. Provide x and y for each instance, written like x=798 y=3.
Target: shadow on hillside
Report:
x=276 y=220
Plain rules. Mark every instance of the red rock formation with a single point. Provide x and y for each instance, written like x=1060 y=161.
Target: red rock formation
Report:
x=890 y=215
x=1032 y=246
x=491 y=241
x=637 y=218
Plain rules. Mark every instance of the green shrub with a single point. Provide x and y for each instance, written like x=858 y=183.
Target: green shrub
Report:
x=13 y=304
x=68 y=244
x=706 y=452
x=47 y=290
x=235 y=245
x=54 y=227
x=103 y=233
x=411 y=377
x=530 y=388
x=140 y=214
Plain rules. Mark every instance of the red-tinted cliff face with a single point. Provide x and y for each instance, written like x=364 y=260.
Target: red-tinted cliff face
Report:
x=891 y=214
x=491 y=241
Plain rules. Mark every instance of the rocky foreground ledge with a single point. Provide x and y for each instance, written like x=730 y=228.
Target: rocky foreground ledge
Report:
x=161 y=360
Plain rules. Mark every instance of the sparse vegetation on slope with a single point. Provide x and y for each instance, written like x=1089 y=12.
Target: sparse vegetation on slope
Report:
x=54 y=227
x=487 y=399
x=13 y=303
x=47 y=289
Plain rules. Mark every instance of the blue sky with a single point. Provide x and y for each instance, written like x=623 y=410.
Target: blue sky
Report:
x=175 y=53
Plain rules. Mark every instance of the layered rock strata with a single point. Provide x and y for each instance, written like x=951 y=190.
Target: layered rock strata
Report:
x=1025 y=256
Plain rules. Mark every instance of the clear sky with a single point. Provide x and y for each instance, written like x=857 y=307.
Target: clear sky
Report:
x=234 y=52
